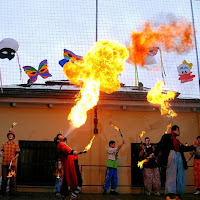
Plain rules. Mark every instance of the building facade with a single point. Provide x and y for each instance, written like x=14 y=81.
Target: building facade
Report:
x=41 y=112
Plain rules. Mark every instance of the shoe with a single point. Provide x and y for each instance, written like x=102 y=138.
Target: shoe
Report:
x=178 y=197
x=12 y=194
x=104 y=192
x=114 y=193
x=197 y=192
x=168 y=198
x=2 y=194
x=148 y=193
x=58 y=194
x=157 y=193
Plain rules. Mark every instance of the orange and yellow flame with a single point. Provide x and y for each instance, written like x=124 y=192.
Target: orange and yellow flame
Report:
x=115 y=127
x=11 y=174
x=155 y=96
x=141 y=135
x=98 y=71
x=175 y=36
x=168 y=127
x=90 y=144
x=140 y=163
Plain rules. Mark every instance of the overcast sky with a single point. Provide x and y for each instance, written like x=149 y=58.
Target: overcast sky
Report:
x=43 y=28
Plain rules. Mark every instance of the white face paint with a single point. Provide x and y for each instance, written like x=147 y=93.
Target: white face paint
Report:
x=183 y=69
x=11 y=137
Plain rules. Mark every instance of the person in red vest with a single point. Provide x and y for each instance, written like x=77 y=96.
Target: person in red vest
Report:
x=72 y=180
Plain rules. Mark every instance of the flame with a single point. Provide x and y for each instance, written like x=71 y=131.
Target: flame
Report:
x=13 y=124
x=97 y=71
x=58 y=176
x=168 y=127
x=86 y=100
x=90 y=144
x=115 y=127
x=11 y=174
x=155 y=96
x=140 y=163
x=175 y=36
x=141 y=135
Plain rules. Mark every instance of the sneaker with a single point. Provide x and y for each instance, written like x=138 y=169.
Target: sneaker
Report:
x=197 y=192
x=157 y=193
x=114 y=193
x=178 y=197
x=2 y=194
x=168 y=198
x=104 y=192
x=148 y=193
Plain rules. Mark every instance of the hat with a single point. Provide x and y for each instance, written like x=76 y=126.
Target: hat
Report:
x=9 y=43
x=11 y=132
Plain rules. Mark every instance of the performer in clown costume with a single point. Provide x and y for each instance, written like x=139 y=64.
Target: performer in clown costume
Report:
x=72 y=180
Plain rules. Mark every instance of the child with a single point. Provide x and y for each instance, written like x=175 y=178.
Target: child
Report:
x=59 y=177
x=111 y=172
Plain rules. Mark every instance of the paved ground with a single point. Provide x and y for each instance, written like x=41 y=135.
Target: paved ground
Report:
x=51 y=196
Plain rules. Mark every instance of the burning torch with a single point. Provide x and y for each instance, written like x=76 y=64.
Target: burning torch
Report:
x=88 y=146
x=140 y=163
x=13 y=124
x=141 y=135
x=11 y=173
x=118 y=129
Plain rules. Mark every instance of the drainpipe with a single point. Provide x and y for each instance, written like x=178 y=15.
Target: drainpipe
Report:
x=95 y=108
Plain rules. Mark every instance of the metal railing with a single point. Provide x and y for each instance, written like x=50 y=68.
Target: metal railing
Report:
x=82 y=166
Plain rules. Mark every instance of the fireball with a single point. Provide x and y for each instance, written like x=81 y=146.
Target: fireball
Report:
x=176 y=36
x=156 y=96
x=98 y=71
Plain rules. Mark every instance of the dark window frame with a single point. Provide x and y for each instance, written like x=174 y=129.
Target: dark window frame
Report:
x=36 y=163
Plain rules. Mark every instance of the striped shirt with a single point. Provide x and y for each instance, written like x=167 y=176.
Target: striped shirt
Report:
x=10 y=149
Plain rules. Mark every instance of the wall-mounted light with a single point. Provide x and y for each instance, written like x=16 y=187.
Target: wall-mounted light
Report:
x=50 y=105
x=12 y=104
x=124 y=107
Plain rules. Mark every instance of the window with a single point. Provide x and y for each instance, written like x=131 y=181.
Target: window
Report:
x=36 y=163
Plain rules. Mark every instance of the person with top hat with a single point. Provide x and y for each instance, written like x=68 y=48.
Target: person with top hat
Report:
x=72 y=179
x=10 y=152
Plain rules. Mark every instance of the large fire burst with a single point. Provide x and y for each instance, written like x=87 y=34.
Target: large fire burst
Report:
x=99 y=70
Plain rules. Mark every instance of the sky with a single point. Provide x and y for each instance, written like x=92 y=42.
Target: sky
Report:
x=44 y=28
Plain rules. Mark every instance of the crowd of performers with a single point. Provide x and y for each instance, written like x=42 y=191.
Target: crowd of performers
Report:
x=169 y=153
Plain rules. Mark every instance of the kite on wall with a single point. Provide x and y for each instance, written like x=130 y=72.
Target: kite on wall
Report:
x=33 y=73
x=184 y=70
x=68 y=55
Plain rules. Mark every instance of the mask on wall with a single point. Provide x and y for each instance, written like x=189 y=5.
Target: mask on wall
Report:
x=8 y=48
x=69 y=55
x=33 y=73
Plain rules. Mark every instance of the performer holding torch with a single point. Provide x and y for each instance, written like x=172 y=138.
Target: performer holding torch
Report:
x=111 y=172
x=72 y=177
x=151 y=170
x=10 y=152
